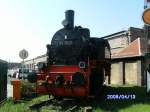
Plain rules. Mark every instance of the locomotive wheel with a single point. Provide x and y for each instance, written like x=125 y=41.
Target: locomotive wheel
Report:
x=77 y=79
x=59 y=80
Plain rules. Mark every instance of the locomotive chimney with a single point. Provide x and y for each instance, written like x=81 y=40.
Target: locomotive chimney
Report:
x=69 y=19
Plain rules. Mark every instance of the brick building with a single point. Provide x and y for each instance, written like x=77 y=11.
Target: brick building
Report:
x=127 y=51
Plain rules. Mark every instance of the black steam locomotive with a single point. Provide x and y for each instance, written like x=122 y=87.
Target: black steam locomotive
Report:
x=77 y=63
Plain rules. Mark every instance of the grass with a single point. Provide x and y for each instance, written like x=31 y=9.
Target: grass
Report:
x=139 y=104
x=27 y=89
x=22 y=106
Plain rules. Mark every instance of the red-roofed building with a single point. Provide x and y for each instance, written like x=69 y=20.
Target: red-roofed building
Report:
x=134 y=49
x=128 y=49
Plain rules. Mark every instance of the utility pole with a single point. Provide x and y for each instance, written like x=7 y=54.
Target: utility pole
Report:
x=146 y=19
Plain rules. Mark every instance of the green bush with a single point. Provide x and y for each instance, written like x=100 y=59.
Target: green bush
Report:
x=27 y=89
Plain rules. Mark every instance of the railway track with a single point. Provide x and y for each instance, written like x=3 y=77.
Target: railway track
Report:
x=67 y=105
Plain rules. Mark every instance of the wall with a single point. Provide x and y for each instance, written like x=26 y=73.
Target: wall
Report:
x=135 y=33
x=131 y=73
x=128 y=72
x=3 y=80
x=118 y=43
x=115 y=73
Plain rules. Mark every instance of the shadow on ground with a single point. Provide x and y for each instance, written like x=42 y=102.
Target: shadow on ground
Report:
x=114 y=105
x=103 y=103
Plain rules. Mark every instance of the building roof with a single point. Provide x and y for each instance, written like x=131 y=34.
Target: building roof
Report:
x=41 y=56
x=123 y=32
x=136 y=48
x=3 y=61
x=12 y=65
x=115 y=34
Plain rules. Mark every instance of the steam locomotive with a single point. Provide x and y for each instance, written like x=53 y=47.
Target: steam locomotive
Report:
x=77 y=64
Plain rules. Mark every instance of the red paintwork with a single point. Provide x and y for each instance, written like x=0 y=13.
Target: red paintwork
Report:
x=80 y=92
x=65 y=90
x=49 y=74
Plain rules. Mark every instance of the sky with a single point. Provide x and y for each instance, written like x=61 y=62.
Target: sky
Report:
x=31 y=24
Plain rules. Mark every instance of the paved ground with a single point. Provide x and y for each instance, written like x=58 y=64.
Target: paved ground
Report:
x=9 y=88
